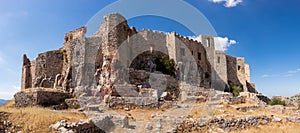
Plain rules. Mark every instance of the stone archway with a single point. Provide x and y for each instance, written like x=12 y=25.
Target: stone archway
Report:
x=149 y=70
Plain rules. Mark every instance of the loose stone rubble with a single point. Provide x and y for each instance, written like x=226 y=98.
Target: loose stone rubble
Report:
x=83 y=126
x=7 y=126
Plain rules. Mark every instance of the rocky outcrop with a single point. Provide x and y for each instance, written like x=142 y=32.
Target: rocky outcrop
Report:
x=296 y=100
x=72 y=103
x=133 y=102
x=98 y=123
x=83 y=126
x=223 y=124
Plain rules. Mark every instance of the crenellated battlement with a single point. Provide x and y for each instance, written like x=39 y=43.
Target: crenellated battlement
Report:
x=187 y=39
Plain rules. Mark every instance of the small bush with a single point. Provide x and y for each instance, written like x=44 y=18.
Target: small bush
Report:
x=166 y=65
x=277 y=101
x=235 y=90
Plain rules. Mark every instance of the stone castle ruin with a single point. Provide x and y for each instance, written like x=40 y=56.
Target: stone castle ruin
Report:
x=121 y=61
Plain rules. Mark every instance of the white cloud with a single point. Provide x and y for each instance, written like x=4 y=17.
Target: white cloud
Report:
x=223 y=43
x=228 y=3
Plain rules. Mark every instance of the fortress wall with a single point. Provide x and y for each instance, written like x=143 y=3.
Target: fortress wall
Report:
x=247 y=72
x=170 y=42
x=196 y=50
x=48 y=65
x=221 y=70
x=236 y=71
x=114 y=33
x=143 y=41
x=209 y=45
x=32 y=68
x=232 y=70
x=241 y=73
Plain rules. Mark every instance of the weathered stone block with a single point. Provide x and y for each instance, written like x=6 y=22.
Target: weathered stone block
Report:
x=40 y=98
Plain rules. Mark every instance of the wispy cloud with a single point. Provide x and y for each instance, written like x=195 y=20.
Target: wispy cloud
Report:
x=1 y=58
x=228 y=3
x=289 y=73
x=270 y=75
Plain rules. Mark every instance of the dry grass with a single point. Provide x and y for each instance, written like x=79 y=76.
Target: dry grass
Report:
x=37 y=119
x=270 y=128
x=260 y=111
x=274 y=128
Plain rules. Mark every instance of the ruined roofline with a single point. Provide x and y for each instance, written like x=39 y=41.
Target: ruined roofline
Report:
x=220 y=52
x=79 y=32
x=235 y=57
x=153 y=31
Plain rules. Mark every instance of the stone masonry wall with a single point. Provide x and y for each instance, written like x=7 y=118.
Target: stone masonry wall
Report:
x=196 y=50
x=232 y=70
x=39 y=98
x=221 y=71
x=47 y=66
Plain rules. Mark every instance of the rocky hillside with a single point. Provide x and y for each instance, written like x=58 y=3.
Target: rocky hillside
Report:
x=295 y=99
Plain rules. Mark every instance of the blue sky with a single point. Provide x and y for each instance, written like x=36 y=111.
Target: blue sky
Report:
x=266 y=32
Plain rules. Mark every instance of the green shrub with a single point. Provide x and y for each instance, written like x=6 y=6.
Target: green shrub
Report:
x=165 y=65
x=235 y=90
x=277 y=101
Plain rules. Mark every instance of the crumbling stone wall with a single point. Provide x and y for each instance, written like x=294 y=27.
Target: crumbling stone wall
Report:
x=26 y=73
x=39 y=98
x=47 y=66
x=133 y=102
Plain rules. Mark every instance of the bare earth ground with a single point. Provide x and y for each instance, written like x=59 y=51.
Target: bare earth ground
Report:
x=36 y=119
